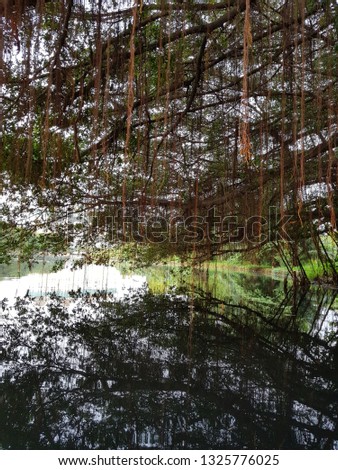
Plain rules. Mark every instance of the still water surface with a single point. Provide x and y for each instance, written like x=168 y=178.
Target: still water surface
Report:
x=148 y=361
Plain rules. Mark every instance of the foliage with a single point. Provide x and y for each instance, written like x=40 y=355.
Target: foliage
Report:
x=27 y=245
x=173 y=109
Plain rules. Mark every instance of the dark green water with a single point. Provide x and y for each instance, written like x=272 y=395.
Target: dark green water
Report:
x=256 y=368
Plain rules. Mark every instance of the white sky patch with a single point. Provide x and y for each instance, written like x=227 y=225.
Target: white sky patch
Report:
x=314 y=191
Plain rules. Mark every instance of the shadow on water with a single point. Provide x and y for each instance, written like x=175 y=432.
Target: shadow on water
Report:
x=255 y=368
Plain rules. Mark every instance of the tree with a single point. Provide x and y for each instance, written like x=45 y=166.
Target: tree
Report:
x=176 y=108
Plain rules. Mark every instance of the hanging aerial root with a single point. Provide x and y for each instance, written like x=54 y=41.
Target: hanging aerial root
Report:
x=245 y=144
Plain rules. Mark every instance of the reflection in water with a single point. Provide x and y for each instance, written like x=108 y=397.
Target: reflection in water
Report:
x=170 y=371
x=89 y=278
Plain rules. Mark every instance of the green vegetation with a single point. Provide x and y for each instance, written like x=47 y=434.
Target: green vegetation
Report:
x=26 y=246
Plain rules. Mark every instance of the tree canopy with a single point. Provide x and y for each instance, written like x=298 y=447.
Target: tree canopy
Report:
x=199 y=110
